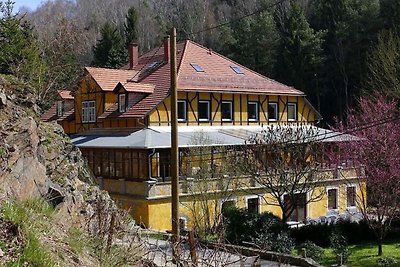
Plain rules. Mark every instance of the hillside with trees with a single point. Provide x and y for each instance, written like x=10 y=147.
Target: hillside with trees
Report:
x=330 y=50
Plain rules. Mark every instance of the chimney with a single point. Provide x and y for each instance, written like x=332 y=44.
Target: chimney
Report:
x=166 y=49
x=133 y=55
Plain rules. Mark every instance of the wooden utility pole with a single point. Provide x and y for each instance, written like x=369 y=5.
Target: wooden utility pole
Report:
x=174 y=142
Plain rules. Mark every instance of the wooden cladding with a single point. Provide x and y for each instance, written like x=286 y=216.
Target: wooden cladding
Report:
x=131 y=165
x=234 y=109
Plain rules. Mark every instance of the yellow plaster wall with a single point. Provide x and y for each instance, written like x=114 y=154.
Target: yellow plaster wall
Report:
x=161 y=114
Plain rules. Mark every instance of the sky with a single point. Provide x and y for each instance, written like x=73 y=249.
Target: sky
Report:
x=31 y=4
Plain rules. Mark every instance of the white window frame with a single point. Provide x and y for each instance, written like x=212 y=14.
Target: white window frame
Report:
x=59 y=108
x=89 y=112
x=185 y=110
x=122 y=102
x=355 y=197
x=208 y=110
x=295 y=111
x=276 y=111
x=231 y=110
x=337 y=197
x=257 y=112
x=246 y=198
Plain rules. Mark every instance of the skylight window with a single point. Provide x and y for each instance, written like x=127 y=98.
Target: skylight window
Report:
x=237 y=70
x=197 y=67
x=153 y=65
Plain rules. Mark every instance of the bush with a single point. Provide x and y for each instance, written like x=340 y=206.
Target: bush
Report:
x=312 y=250
x=386 y=261
x=340 y=247
x=280 y=242
x=355 y=232
x=241 y=225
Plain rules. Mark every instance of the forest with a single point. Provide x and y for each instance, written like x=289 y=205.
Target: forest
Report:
x=334 y=51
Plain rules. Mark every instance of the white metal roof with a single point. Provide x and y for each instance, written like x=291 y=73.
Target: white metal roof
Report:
x=188 y=136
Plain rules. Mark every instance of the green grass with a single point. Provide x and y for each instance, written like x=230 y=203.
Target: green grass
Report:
x=32 y=218
x=76 y=239
x=366 y=254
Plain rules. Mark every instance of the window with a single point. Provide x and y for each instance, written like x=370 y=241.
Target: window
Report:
x=332 y=199
x=252 y=111
x=59 y=108
x=237 y=70
x=197 y=67
x=253 y=205
x=122 y=103
x=226 y=110
x=351 y=196
x=292 y=111
x=181 y=110
x=297 y=203
x=182 y=223
x=204 y=110
x=272 y=111
x=88 y=111
x=226 y=205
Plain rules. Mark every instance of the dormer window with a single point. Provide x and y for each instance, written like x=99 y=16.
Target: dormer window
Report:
x=122 y=102
x=197 y=67
x=237 y=70
x=59 y=108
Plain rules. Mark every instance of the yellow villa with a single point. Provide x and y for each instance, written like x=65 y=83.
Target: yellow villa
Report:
x=120 y=119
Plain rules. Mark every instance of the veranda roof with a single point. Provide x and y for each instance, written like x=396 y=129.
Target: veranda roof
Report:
x=189 y=136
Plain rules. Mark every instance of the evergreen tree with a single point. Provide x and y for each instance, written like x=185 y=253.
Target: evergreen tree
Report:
x=131 y=26
x=300 y=50
x=390 y=13
x=110 y=50
x=351 y=26
x=252 y=42
x=18 y=45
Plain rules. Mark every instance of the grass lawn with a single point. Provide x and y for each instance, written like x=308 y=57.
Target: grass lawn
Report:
x=366 y=254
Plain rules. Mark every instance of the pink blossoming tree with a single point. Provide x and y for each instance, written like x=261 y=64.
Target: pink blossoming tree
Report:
x=376 y=156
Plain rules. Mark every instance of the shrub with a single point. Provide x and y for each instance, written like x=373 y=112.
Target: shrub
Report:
x=340 y=247
x=355 y=232
x=386 y=261
x=312 y=250
x=283 y=243
x=280 y=242
x=241 y=225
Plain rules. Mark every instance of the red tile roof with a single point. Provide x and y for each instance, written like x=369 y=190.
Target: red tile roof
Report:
x=66 y=94
x=152 y=73
x=50 y=114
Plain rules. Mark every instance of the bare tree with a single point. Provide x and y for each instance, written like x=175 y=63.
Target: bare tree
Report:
x=284 y=160
x=210 y=182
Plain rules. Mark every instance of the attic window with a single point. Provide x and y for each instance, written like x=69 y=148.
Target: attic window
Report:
x=237 y=70
x=197 y=67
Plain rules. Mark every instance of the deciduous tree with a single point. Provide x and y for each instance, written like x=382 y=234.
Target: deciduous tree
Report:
x=284 y=161
x=376 y=155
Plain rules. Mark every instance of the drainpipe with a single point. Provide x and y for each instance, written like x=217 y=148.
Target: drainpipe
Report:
x=149 y=162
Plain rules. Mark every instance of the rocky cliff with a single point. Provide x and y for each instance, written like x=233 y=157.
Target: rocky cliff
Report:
x=44 y=178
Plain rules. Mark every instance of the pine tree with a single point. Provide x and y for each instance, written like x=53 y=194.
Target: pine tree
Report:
x=300 y=50
x=18 y=45
x=109 y=51
x=131 y=26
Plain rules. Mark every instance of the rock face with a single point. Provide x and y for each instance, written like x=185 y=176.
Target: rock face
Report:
x=37 y=160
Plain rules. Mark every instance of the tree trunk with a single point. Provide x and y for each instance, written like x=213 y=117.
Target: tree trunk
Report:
x=380 y=246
